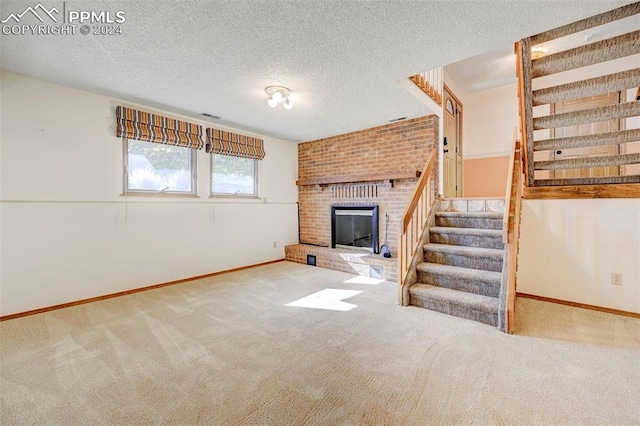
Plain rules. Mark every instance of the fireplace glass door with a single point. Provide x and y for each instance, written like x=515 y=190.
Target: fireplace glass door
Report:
x=355 y=227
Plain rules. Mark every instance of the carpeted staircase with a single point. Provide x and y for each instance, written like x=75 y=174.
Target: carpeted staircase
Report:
x=462 y=269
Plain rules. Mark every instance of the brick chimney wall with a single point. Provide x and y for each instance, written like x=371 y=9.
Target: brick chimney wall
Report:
x=399 y=147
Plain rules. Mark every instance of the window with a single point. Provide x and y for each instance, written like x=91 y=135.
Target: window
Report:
x=234 y=176
x=156 y=168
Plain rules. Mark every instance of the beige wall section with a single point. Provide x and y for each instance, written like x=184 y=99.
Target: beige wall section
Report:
x=489 y=118
x=569 y=248
x=486 y=177
x=67 y=234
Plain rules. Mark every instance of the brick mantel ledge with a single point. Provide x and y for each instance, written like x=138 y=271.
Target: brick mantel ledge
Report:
x=359 y=178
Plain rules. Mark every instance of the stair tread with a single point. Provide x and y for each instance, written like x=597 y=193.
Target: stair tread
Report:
x=598 y=139
x=475 y=215
x=591 y=87
x=464 y=250
x=466 y=231
x=584 y=162
x=589 y=54
x=460 y=298
x=591 y=115
x=588 y=181
x=460 y=272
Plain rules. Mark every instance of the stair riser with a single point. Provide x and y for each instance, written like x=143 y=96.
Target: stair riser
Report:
x=467 y=240
x=455 y=310
x=460 y=284
x=473 y=262
x=468 y=222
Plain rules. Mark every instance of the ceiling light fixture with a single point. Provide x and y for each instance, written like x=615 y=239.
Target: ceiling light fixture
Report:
x=278 y=94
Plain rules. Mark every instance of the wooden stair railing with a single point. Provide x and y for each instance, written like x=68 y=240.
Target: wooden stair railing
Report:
x=414 y=221
x=430 y=82
x=538 y=153
x=511 y=233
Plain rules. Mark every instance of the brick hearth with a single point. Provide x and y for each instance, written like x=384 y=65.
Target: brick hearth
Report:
x=351 y=261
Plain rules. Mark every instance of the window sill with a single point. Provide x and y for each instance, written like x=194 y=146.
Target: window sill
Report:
x=158 y=194
x=235 y=197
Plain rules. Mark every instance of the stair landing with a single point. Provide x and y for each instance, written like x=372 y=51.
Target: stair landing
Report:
x=495 y=205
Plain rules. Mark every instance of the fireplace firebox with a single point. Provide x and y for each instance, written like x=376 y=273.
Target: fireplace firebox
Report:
x=355 y=227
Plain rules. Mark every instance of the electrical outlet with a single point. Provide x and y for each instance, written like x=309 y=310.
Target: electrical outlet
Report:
x=275 y=244
x=616 y=278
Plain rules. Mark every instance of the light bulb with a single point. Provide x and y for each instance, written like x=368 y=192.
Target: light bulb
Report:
x=287 y=103
x=272 y=103
x=276 y=96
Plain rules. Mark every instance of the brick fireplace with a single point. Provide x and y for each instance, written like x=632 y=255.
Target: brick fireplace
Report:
x=372 y=167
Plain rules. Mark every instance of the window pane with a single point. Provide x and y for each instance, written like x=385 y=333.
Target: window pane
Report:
x=157 y=167
x=233 y=175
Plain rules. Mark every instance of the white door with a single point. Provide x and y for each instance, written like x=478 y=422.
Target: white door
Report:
x=452 y=149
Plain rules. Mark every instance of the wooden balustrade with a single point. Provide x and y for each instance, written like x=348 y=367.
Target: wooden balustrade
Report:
x=564 y=175
x=414 y=220
x=430 y=82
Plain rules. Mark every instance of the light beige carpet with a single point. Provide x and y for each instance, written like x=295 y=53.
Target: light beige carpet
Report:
x=227 y=350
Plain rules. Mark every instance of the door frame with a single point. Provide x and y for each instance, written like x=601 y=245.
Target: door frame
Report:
x=459 y=119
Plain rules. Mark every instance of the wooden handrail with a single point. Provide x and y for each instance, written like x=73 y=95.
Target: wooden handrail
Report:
x=414 y=221
x=511 y=229
x=508 y=191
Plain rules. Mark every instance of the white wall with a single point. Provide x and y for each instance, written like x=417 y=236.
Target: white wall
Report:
x=453 y=86
x=569 y=248
x=68 y=234
x=489 y=118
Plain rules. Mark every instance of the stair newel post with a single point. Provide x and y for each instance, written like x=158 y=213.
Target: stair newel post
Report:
x=431 y=93
x=523 y=52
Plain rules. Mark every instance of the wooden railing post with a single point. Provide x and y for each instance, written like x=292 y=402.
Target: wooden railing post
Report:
x=413 y=222
x=523 y=70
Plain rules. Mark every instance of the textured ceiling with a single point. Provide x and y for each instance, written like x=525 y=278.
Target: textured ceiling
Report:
x=341 y=59
x=497 y=68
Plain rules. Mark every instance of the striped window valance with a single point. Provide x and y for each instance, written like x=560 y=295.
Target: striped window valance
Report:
x=144 y=126
x=227 y=143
